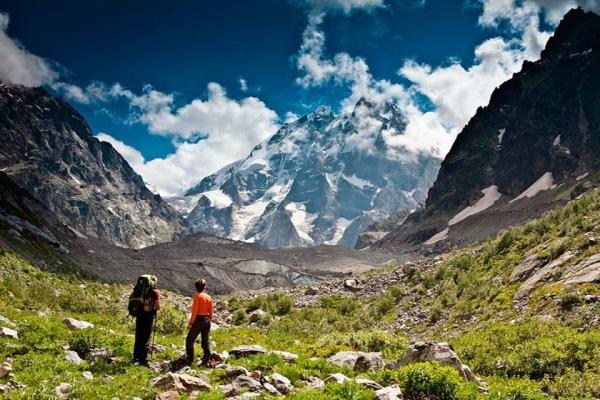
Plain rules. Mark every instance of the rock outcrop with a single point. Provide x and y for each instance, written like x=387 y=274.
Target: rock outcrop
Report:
x=49 y=150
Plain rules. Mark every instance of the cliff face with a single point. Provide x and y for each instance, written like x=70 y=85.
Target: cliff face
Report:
x=540 y=131
x=49 y=150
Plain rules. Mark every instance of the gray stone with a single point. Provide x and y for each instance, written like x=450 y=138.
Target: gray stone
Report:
x=244 y=351
x=9 y=333
x=434 y=352
x=73 y=357
x=368 y=383
x=586 y=272
x=361 y=361
x=74 y=324
x=257 y=316
x=182 y=382
x=337 y=378
x=234 y=371
x=285 y=355
x=5 y=369
x=282 y=383
x=389 y=393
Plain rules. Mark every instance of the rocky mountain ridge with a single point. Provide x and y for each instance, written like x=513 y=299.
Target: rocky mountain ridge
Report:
x=534 y=146
x=319 y=180
x=49 y=150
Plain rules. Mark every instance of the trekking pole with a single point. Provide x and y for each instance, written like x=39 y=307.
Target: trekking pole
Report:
x=153 y=334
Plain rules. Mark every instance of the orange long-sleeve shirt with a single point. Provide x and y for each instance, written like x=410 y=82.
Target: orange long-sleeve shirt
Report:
x=202 y=305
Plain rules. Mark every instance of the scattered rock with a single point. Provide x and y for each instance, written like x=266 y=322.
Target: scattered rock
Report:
x=234 y=371
x=170 y=395
x=5 y=369
x=272 y=390
x=88 y=375
x=544 y=273
x=351 y=284
x=368 y=383
x=358 y=360
x=257 y=316
x=73 y=357
x=99 y=354
x=244 y=382
x=283 y=384
x=368 y=362
x=244 y=351
x=74 y=324
x=337 y=378
x=7 y=321
x=312 y=382
x=389 y=393
x=434 y=352
x=9 y=333
x=182 y=382
x=311 y=291
x=286 y=356
x=62 y=390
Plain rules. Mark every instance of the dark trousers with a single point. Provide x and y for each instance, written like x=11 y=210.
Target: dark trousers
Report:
x=200 y=327
x=143 y=332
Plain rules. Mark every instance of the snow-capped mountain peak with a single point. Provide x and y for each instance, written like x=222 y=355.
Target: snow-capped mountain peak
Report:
x=318 y=180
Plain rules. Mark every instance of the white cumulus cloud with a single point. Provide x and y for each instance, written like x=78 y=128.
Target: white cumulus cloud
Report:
x=19 y=66
x=230 y=129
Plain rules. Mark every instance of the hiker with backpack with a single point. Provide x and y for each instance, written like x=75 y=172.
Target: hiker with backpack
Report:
x=202 y=315
x=144 y=303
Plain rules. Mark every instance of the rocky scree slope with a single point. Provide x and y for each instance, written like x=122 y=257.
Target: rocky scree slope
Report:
x=48 y=149
x=319 y=180
x=536 y=142
x=32 y=231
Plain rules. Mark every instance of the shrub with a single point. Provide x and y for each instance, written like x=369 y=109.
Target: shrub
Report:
x=529 y=348
x=239 y=317
x=170 y=320
x=84 y=340
x=428 y=380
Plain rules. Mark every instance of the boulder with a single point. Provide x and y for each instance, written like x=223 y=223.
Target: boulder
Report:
x=285 y=355
x=9 y=333
x=99 y=354
x=7 y=322
x=283 y=384
x=244 y=351
x=337 y=378
x=73 y=357
x=368 y=383
x=311 y=291
x=74 y=324
x=5 y=369
x=62 y=390
x=182 y=383
x=272 y=390
x=358 y=360
x=170 y=395
x=434 y=352
x=234 y=371
x=312 y=382
x=245 y=382
x=388 y=393
x=257 y=316
x=351 y=284
x=368 y=362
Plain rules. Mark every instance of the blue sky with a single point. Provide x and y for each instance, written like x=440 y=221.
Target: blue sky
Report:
x=178 y=64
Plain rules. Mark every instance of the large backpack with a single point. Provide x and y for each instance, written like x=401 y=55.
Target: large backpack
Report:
x=139 y=300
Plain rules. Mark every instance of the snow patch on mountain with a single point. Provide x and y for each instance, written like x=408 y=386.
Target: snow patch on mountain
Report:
x=545 y=182
x=490 y=196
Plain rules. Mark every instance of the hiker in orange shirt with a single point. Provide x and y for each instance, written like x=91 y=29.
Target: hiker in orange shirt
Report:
x=202 y=315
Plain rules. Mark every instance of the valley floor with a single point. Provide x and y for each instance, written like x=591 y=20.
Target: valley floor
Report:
x=521 y=310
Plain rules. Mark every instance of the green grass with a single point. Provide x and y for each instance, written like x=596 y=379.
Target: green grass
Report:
x=467 y=300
